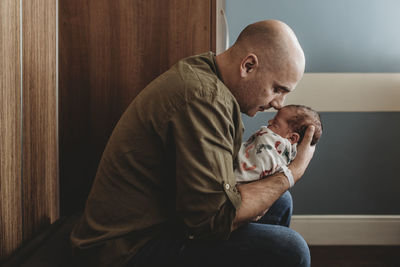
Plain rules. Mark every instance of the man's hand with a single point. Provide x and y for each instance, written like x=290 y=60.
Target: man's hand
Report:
x=304 y=155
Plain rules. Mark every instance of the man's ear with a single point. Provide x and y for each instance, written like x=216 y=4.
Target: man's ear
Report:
x=249 y=64
x=294 y=138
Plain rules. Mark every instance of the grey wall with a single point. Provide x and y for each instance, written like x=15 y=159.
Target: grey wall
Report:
x=337 y=36
x=356 y=167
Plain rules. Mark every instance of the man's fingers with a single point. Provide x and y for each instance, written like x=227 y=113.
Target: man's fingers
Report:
x=309 y=134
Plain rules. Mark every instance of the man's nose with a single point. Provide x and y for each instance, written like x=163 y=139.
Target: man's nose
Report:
x=277 y=103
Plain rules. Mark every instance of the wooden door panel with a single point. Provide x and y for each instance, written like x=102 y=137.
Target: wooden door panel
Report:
x=109 y=51
x=10 y=129
x=39 y=123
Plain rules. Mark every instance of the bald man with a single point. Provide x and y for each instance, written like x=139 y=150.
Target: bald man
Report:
x=165 y=192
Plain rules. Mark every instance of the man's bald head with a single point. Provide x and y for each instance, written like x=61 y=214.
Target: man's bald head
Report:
x=273 y=42
x=263 y=66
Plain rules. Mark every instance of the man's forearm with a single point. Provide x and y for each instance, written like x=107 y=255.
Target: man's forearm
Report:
x=258 y=196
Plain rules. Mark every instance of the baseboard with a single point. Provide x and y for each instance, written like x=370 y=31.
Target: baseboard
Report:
x=348 y=229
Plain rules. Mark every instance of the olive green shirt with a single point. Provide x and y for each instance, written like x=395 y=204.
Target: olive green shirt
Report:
x=168 y=166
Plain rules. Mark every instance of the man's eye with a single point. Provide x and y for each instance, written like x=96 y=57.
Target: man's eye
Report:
x=277 y=90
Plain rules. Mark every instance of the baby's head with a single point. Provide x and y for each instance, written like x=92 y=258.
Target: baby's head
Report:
x=291 y=122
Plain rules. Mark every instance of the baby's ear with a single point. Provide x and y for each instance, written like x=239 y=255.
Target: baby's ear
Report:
x=294 y=138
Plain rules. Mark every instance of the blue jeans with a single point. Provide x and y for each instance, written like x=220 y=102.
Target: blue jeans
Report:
x=267 y=242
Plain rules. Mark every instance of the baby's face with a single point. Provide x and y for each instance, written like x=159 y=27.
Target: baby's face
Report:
x=279 y=125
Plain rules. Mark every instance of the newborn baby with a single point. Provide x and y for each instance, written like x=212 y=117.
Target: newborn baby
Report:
x=273 y=147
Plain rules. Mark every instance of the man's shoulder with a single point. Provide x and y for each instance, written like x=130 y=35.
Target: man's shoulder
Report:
x=188 y=75
x=200 y=77
x=202 y=64
x=199 y=69
x=191 y=80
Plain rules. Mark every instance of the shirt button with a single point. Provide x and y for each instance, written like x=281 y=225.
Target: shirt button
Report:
x=227 y=186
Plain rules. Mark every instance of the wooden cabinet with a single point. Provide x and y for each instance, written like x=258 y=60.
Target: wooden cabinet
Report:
x=28 y=121
x=10 y=130
x=110 y=50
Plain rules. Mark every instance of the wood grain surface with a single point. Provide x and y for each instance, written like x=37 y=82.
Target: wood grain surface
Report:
x=40 y=155
x=109 y=51
x=10 y=129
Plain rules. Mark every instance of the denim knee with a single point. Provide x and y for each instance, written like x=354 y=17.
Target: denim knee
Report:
x=284 y=246
x=287 y=200
x=280 y=212
x=299 y=250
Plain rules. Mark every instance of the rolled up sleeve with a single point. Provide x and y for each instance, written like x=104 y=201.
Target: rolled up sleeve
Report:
x=205 y=133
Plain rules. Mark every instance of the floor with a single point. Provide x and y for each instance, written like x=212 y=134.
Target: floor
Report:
x=51 y=252
x=355 y=256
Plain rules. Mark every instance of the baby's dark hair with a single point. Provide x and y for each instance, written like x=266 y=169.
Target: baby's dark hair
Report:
x=305 y=116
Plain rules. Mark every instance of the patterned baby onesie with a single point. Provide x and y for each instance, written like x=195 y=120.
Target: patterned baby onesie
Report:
x=263 y=154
